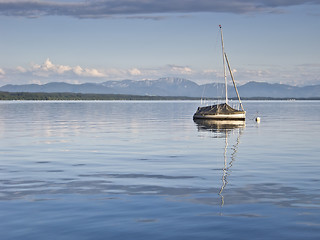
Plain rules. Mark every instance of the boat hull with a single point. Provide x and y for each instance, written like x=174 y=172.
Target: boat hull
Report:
x=219 y=112
x=237 y=116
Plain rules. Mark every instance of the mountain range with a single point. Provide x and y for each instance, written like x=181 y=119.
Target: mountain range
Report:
x=172 y=87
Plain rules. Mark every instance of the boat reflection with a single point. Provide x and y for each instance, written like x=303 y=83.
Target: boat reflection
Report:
x=219 y=125
x=224 y=129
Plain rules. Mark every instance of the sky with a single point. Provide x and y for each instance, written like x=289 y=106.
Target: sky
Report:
x=77 y=41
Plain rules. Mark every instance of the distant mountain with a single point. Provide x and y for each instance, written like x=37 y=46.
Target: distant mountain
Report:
x=172 y=87
x=57 y=87
x=258 y=89
x=160 y=87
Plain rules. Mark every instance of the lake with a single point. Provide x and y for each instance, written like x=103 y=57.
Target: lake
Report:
x=146 y=170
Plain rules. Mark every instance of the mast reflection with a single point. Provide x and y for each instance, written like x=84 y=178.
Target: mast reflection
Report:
x=224 y=129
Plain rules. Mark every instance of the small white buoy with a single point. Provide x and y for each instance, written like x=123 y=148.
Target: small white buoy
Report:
x=258 y=119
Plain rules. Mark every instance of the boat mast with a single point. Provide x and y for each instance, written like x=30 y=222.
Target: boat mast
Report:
x=234 y=83
x=224 y=66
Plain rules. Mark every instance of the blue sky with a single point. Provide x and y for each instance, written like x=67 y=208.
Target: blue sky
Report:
x=275 y=41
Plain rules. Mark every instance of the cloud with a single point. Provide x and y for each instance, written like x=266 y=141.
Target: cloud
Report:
x=78 y=70
x=2 y=73
x=21 y=69
x=49 y=69
x=87 y=72
x=180 y=69
x=135 y=71
x=108 y=8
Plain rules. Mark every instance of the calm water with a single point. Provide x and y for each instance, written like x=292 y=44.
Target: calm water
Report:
x=145 y=170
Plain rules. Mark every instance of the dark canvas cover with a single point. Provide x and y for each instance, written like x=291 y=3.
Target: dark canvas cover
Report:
x=217 y=109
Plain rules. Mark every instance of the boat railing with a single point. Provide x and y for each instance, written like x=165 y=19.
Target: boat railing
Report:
x=208 y=102
x=235 y=105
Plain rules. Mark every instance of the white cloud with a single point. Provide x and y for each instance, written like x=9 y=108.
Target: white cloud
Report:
x=50 y=69
x=87 y=72
x=180 y=69
x=93 y=73
x=77 y=70
x=135 y=71
x=21 y=69
x=48 y=65
x=62 y=69
x=2 y=73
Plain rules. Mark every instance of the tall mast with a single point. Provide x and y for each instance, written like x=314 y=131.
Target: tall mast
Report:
x=224 y=66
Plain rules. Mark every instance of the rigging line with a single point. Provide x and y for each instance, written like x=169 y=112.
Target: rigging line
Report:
x=204 y=89
x=234 y=83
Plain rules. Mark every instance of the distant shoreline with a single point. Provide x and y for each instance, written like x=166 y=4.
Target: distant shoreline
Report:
x=101 y=97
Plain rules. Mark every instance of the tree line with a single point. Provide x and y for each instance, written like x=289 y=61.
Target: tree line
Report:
x=81 y=96
x=101 y=97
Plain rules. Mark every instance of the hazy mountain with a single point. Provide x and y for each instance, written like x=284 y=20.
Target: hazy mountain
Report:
x=57 y=87
x=160 y=87
x=257 y=89
x=172 y=87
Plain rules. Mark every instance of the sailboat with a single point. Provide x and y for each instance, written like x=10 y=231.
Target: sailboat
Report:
x=222 y=111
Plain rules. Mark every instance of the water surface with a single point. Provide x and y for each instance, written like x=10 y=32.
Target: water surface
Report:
x=146 y=170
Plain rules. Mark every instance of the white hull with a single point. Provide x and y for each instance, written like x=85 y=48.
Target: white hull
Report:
x=236 y=116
